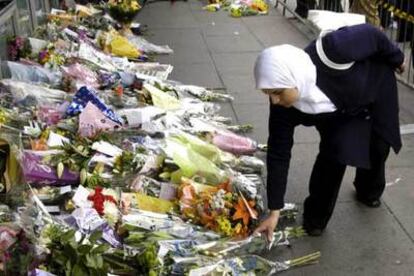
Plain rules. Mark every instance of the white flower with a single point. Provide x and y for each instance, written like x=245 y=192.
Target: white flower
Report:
x=218 y=200
x=111 y=212
x=111 y=192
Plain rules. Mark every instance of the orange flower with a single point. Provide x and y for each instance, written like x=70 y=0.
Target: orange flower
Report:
x=225 y=186
x=207 y=220
x=187 y=196
x=244 y=211
x=38 y=144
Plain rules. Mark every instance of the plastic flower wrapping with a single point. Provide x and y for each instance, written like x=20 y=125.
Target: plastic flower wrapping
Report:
x=107 y=167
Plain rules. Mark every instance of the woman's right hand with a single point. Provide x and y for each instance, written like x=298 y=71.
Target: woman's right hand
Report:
x=400 y=69
x=267 y=226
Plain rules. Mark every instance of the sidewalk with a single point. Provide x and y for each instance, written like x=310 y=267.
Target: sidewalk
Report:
x=217 y=51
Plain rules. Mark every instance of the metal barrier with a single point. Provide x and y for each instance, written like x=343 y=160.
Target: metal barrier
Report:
x=8 y=26
x=20 y=17
x=394 y=17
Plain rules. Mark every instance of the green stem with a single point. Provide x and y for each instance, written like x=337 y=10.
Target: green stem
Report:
x=305 y=260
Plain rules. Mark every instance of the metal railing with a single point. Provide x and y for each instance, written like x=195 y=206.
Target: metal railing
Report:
x=19 y=17
x=394 y=17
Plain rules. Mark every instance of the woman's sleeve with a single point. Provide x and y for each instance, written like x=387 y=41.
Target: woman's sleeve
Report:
x=360 y=42
x=280 y=142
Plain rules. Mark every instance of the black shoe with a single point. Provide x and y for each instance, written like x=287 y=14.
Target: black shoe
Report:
x=312 y=231
x=315 y=232
x=372 y=203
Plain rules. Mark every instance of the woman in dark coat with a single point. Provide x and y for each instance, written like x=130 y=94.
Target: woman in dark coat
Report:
x=343 y=84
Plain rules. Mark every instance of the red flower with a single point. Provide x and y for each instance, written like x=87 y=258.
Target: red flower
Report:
x=98 y=200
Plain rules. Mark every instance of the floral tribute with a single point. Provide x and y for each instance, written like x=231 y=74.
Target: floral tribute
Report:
x=219 y=209
x=18 y=47
x=123 y=11
x=105 y=203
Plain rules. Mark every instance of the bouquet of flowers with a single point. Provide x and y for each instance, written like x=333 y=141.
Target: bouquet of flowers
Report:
x=217 y=208
x=123 y=11
x=18 y=47
x=51 y=58
x=105 y=203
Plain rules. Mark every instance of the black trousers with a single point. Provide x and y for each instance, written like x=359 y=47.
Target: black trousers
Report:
x=327 y=175
x=303 y=6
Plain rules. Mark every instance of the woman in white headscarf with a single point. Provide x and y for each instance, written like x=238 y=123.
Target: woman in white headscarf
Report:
x=344 y=85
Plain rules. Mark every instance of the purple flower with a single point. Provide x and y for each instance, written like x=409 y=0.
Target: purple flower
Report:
x=6 y=256
x=82 y=34
x=43 y=55
x=18 y=41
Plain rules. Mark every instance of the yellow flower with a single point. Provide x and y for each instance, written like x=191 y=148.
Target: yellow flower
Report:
x=135 y=5
x=224 y=226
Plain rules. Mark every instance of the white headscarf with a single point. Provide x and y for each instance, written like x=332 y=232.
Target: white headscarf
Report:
x=286 y=66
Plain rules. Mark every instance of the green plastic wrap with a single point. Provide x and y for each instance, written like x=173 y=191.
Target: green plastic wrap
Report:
x=192 y=163
x=209 y=151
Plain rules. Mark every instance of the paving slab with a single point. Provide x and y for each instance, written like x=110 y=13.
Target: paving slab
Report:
x=235 y=43
x=209 y=17
x=186 y=55
x=235 y=63
x=399 y=196
x=178 y=38
x=255 y=114
x=202 y=74
x=405 y=158
x=224 y=28
x=159 y=15
x=359 y=241
x=406 y=98
x=227 y=110
x=243 y=97
x=281 y=32
x=196 y=5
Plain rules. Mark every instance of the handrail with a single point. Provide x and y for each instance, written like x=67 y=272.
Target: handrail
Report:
x=7 y=12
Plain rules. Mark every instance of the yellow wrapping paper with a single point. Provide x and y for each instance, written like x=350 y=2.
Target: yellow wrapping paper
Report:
x=64 y=18
x=149 y=203
x=162 y=99
x=198 y=187
x=120 y=46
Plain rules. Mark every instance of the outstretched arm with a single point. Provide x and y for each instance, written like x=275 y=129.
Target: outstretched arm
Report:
x=280 y=142
x=360 y=42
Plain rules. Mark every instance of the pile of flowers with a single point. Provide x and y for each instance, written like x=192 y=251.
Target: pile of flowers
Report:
x=218 y=208
x=18 y=47
x=124 y=11
x=239 y=8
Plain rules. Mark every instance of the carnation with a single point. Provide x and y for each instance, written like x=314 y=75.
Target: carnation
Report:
x=111 y=213
x=111 y=192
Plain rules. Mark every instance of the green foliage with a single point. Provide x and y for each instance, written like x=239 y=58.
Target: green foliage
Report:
x=95 y=179
x=75 y=155
x=148 y=261
x=129 y=162
x=76 y=258
x=167 y=89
